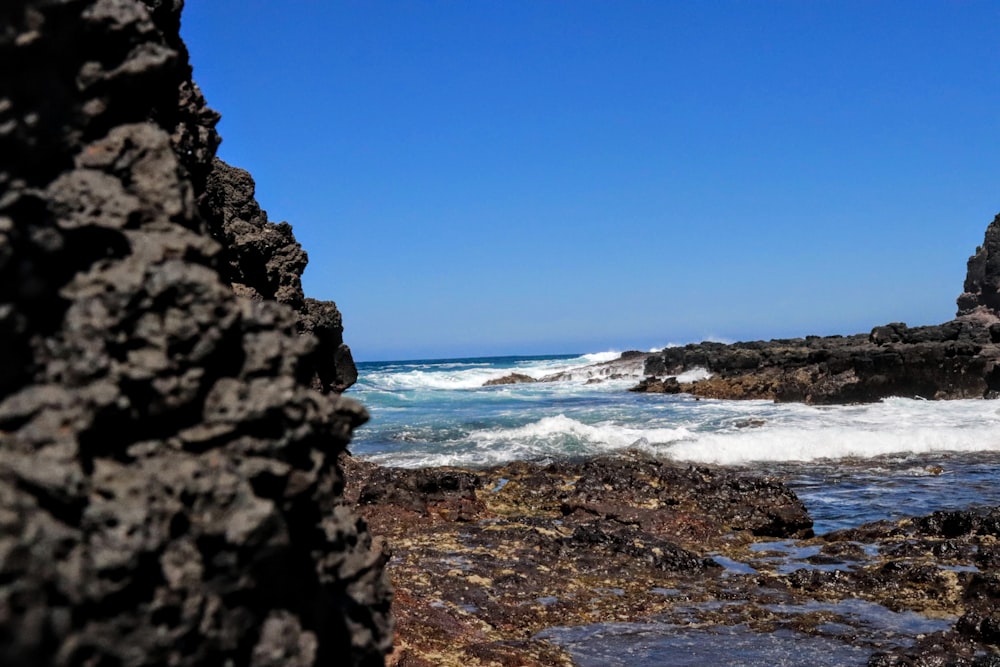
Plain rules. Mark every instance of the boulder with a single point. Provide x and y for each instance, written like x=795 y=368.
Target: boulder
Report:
x=169 y=486
x=512 y=378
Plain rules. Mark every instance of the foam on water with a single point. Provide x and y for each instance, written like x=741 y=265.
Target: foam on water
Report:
x=470 y=374
x=438 y=413
x=833 y=442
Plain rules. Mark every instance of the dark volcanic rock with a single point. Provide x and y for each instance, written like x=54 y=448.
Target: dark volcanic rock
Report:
x=168 y=479
x=981 y=295
x=957 y=359
x=263 y=261
x=512 y=378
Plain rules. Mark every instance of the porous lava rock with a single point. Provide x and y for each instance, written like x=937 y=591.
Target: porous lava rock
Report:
x=169 y=485
x=263 y=261
x=981 y=295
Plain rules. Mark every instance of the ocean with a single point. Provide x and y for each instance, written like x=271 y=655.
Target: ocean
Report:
x=849 y=464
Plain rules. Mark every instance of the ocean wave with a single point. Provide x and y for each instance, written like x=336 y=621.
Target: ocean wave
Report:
x=807 y=445
x=723 y=433
x=557 y=432
x=459 y=375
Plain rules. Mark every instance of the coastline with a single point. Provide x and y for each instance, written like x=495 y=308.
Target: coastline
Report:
x=487 y=564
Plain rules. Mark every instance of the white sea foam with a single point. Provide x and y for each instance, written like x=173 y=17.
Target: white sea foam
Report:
x=552 y=433
x=600 y=357
x=694 y=375
x=441 y=378
x=459 y=375
x=731 y=433
x=803 y=445
x=548 y=438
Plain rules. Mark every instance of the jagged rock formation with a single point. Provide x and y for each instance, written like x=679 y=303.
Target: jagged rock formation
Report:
x=263 y=261
x=957 y=359
x=169 y=490
x=954 y=360
x=981 y=297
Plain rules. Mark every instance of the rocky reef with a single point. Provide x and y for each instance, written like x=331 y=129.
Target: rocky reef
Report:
x=492 y=566
x=169 y=422
x=957 y=359
x=485 y=559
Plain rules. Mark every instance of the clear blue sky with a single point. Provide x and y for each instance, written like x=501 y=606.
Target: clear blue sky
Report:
x=515 y=176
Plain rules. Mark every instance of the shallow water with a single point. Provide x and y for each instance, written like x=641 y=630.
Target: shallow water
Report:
x=656 y=645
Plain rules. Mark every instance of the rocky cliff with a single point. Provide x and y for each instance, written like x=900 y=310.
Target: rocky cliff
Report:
x=169 y=486
x=981 y=296
x=957 y=359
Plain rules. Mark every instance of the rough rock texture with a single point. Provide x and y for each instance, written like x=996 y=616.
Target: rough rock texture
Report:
x=168 y=479
x=957 y=359
x=263 y=261
x=484 y=559
x=981 y=295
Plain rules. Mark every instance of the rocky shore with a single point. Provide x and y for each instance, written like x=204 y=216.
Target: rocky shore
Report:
x=486 y=562
x=957 y=359
x=174 y=488
x=169 y=422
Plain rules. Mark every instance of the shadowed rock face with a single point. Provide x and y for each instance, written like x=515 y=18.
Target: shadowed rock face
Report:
x=169 y=490
x=981 y=296
x=263 y=261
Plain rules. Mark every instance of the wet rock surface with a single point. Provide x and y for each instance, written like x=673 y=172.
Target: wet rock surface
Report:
x=168 y=478
x=486 y=563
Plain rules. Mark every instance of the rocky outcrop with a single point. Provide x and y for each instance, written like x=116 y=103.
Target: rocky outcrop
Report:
x=484 y=559
x=953 y=360
x=512 y=378
x=957 y=359
x=981 y=296
x=169 y=489
x=263 y=261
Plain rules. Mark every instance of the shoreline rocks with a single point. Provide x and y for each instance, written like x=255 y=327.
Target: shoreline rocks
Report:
x=169 y=486
x=957 y=359
x=486 y=561
x=954 y=360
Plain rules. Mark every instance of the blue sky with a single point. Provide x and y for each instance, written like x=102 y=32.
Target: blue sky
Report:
x=511 y=177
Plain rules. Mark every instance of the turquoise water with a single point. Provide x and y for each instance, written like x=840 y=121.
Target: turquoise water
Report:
x=849 y=464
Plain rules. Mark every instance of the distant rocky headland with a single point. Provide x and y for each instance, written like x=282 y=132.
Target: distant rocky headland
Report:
x=957 y=359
